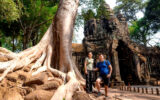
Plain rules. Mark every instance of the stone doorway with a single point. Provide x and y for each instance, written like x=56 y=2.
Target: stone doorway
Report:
x=126 y=64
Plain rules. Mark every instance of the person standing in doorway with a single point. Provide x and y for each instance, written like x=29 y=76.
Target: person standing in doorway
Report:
x=105 y=69
x=88 y=67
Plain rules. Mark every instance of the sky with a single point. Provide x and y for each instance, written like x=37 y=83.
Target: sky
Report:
x=112 y=3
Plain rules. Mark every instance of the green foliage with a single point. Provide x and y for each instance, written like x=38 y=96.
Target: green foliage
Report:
x=8 y=31
x=9 y=10
x=152 y=14
x=91 y=9
x=102 y=12
x=38 y=15
x=129 y=8
x=139 y=31
x=34 y=17
x=88 y=14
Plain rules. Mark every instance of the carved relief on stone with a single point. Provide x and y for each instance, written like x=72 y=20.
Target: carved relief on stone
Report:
x=114 y=44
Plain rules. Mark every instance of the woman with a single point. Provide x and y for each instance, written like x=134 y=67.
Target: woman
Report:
x=88 y=67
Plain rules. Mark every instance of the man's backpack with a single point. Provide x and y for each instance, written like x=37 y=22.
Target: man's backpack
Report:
x=107 y=62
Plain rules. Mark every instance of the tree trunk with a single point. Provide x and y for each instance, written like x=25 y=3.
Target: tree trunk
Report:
x=13 y=38
x=52 y=53
x=63 y=25
x=25 y=41
x=34 y=38
x=63 y=28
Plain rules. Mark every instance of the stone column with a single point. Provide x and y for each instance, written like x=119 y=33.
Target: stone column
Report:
x=115 y=65
x=115 y=61
x=137 y=65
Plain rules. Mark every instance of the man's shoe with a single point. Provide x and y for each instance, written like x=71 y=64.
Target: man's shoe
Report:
x=99 y=94
x=89 y=92
x=107 y=98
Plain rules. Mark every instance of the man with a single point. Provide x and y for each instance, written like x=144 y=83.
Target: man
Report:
x=105 y=69
x=88 y=67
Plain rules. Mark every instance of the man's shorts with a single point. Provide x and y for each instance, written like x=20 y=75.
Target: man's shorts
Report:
x=104 y=79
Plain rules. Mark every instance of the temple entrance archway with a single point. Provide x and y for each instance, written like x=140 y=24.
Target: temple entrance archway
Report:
x=126 y=64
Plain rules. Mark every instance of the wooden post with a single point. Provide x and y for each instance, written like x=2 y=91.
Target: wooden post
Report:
x=152 y=90
x=157 y=91
x=147 y=90
x=142 y=90
x=138 y=90
x=130 y=88
x=134 y=89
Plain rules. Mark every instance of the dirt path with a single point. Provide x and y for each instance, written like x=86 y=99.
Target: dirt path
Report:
x=115 y=94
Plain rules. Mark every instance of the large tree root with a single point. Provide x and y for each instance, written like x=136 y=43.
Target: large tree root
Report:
x=34 y=54
x=65 y=91
x=39 y=54
x=70 y=82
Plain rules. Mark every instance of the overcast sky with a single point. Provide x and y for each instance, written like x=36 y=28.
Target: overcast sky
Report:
x=79 y=34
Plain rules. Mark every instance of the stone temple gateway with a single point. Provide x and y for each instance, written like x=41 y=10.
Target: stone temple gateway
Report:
x=132 y=63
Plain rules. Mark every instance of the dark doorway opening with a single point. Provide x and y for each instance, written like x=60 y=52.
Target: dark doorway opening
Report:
x=126 y=64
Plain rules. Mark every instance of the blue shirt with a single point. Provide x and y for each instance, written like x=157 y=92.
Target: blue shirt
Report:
x=103 y=67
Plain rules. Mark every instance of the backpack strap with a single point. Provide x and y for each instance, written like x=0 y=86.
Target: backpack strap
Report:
x=106 y=62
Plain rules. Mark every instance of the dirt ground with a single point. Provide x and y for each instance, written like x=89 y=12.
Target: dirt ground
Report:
x=115 y=94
